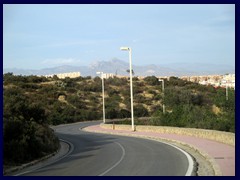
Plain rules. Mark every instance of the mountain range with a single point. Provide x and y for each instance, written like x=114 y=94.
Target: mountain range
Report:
x=119 y=67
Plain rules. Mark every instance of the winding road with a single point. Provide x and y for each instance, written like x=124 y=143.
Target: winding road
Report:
x=94 y=154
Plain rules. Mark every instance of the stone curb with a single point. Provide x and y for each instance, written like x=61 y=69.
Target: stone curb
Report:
x=18 y=168
x=207 y=157
x=219 y=136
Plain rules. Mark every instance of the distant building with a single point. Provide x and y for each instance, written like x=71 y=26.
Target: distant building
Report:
x=228 y=80
x=108 y=75
x=70 y=75
x=64 y=75
x=214 y=80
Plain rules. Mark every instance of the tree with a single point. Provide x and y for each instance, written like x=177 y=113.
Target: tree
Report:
x=128 y=71
x=55 y=78
x=124 y=113
x=151 y=80
x=111 y=113
x=140 y=111
x=21 y=121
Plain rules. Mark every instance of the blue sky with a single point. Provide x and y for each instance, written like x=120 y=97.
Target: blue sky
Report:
x=41 y=36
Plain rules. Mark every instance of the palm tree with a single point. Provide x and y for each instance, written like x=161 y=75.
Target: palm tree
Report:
x=129 y=71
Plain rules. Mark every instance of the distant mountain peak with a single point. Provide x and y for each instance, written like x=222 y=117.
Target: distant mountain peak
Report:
x=117 y=66
x=116 y=60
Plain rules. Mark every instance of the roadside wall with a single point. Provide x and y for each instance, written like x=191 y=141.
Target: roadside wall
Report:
x=220 y=136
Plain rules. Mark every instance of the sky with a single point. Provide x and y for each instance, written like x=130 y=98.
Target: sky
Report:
x=41 y=36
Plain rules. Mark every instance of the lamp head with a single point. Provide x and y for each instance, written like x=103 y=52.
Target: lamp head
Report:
x=124 y=48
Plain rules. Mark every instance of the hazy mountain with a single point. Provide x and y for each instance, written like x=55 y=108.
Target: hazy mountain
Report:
x=203 y=68
x=120 y=67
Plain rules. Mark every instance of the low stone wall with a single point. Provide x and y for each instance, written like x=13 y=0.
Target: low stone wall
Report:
x=220 y=136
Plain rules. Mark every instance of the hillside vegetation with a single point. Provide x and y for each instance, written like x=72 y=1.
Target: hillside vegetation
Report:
x=32 y=103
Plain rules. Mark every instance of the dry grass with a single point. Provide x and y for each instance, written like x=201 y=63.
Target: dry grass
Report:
x=216 y=110
x=122 y=106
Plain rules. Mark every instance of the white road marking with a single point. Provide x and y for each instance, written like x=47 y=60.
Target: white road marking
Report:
x=117 y=163
x=190 y=160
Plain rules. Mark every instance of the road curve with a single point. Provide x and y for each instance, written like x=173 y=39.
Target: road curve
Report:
x=94 y=154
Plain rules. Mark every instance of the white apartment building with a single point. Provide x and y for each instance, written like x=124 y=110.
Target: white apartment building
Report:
x=64 y=75
x=70 y=75
x=108 y=75
x=214 y=80
x=228 y=80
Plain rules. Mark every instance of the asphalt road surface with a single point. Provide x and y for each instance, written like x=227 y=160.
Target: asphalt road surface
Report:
x=94 y=154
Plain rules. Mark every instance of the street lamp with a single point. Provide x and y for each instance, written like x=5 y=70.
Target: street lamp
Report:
x=161 y=80
x=226 y=91
x=131 y=88
x=102 y=95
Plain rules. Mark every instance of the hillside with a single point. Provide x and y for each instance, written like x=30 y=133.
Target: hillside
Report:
x=26 y=133
x=33 y=103
x=80 y=99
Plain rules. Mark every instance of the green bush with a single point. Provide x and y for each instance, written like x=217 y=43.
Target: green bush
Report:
x=151 y=80
x=140 y=111
x=22 y=123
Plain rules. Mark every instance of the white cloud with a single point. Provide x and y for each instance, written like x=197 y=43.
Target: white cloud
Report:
x=75 y=43
x=135 y=40
x=64 y=44
x=89 y=51
x=61 y=61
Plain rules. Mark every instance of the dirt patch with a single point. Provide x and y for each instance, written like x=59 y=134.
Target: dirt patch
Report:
x=216 y=110
x=62 y=98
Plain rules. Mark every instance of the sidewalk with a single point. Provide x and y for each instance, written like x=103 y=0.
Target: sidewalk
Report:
x=222 y=154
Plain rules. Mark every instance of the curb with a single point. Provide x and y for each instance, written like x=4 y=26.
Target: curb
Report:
x=34 y=162
x=18 y=168
x=219 y=136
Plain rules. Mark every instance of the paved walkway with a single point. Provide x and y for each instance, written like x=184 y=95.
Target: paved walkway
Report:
x=222 y=154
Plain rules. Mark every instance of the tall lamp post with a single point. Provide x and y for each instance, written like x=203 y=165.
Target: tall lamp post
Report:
x=226 y=91
x=131 y=88
x=102 y=95
x=161 y=80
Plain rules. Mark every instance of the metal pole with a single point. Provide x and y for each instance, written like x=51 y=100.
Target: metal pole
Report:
x=103 y=99
x=163 y=93
x=163 y=96
x=131 y=88
x=226 y=91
